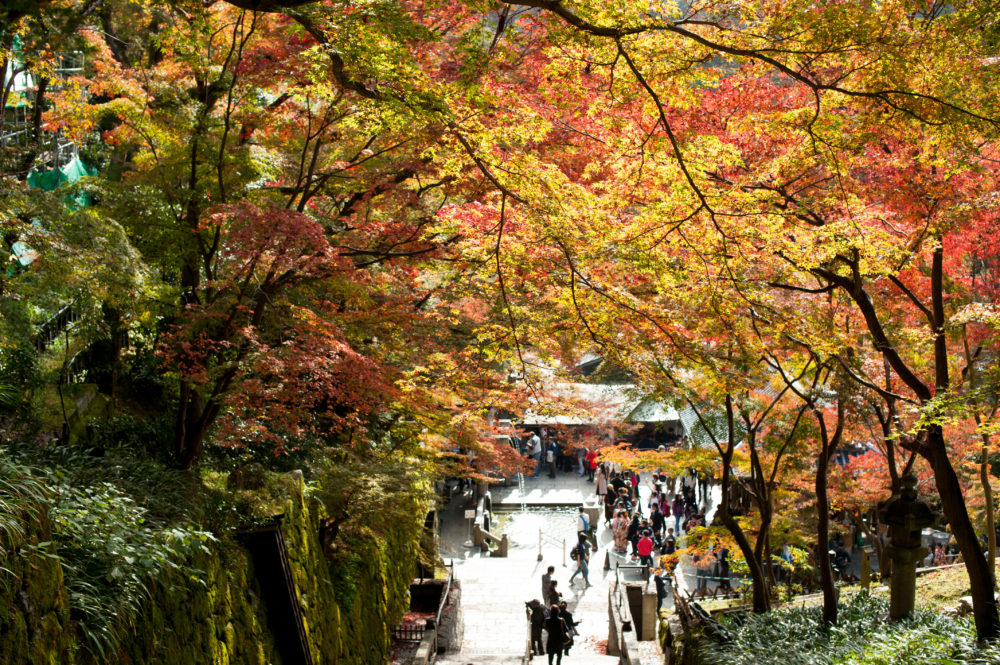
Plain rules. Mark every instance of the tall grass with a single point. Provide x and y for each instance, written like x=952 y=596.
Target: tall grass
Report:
x=9 y=396
x=111 y=556
x=112 y=549
x=21 y=497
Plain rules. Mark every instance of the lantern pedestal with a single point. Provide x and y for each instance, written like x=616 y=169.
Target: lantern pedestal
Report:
x=907 y=517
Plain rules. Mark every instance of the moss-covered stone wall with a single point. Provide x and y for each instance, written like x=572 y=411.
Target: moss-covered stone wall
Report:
x=216 y=616
x=350 y=606
x=34 y=607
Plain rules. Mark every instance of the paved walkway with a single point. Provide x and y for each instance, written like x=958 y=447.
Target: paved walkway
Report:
x=495 y=590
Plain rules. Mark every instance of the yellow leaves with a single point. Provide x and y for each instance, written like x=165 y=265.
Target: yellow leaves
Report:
x=985 y=313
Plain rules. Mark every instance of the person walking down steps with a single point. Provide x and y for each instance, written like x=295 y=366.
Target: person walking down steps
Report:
x=537 y=623
x=557 y=634
x=554 y=596
x=570 y=625
x=581 y=554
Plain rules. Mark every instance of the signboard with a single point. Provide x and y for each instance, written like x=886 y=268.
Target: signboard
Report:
x=470 y=514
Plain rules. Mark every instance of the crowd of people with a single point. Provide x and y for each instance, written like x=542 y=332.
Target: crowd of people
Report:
x=554 y=617
x=551 y=455
x=668 y=514
x=645 y=532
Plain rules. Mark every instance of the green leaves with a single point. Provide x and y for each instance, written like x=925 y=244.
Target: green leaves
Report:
x=110 y=558
x=861 y=637
x=111 y=549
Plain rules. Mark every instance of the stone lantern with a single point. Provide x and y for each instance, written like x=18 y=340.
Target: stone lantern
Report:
x=906 y=516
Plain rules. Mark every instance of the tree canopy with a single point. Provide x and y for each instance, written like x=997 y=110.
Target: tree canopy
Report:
x=328 y=220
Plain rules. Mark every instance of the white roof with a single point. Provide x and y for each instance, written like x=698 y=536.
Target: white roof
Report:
x=596 y=403
x=651 y=411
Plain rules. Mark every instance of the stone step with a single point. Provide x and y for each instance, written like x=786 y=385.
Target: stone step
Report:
x=487 y=659
x=579 y=659
x=477 y=659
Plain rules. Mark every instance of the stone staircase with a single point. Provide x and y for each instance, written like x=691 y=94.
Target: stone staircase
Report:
x=485 y=659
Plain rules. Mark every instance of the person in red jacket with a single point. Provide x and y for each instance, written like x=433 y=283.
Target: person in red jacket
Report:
x=644 y=548
x=591 y=463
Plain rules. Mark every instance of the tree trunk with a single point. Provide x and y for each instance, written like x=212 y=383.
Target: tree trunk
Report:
x=194 y=442
x=191 y=427
x=874 y=534
x=823 y=538
x=769 y=563
x=984 y=604
x=991 y=531
x=758 y=582
x=37 y=109
x=760 y=547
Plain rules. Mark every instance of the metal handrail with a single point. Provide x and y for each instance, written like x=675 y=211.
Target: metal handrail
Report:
x=618 y=585
x=444 y=596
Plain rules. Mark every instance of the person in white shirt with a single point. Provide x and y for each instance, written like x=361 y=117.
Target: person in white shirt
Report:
x=582 y=523
x=535 y=450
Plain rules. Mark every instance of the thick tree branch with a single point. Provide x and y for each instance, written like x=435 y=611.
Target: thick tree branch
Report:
x=887 y=96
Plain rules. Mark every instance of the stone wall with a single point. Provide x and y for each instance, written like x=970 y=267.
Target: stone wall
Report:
x=217 y=619
x=678 y=643
x=34 y=608
x=216 y=616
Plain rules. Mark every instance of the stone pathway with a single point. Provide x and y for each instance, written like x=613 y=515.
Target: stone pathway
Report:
x=495 y=590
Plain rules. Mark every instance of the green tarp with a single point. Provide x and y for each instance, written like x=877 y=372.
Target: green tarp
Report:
x=68 y=174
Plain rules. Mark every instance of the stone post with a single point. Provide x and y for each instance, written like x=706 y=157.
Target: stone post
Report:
x=906 y=516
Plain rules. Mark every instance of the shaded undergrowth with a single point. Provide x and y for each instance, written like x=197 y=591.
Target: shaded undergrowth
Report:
x=862 y=636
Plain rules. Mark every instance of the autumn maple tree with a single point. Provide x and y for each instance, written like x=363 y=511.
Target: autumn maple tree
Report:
x=784 y=171
x=385 y=208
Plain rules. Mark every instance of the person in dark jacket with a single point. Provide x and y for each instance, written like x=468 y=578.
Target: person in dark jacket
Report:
x=553 y=597
x=657 y=521
x=633 y=533
x=537 y=619
x=662 y=578
x=617 y=482
x=557 y=634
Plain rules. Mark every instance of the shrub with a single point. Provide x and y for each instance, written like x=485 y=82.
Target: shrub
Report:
x=112 y=550
x=152 y=436
x=19 y=375
x=861 y=637
x=110 y=556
